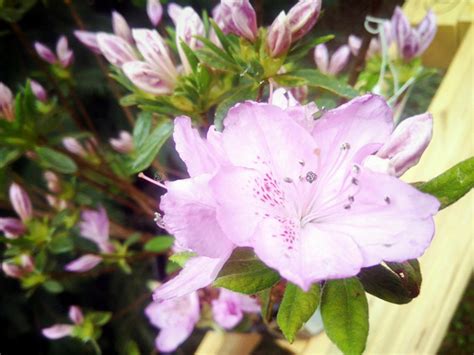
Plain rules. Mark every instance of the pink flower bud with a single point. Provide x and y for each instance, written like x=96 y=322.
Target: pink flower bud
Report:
x=12 y=270
x=154 y=11
x=407 y=143
x=45 y=53
x=12 y=227
x=75 y=315
x=115 y=49
x=355 y=43
x=146 y=78
x=21 y=202
x=155 y=52
x=302 y=17
x=65 y=55
x=73 y=146
x=243 y=17
x=89 y=39
x=38 y=90
x=121 y=28
x=6 y=103
x=52 y=181
x=58 y=331
x=426 y=31
x=321 y=58
x=84 y=263
x=174 y=11
x=189 y=25
x=336 y=63
x=123 y=144
x=27 y=263
x=279 y=36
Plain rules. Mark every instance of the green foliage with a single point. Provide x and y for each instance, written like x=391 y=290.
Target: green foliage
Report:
x=159 y=244
x=345 y=314
x=397 y=283
x=51 y=159
x=451 y=185
x=244 y=273
x=296 y=308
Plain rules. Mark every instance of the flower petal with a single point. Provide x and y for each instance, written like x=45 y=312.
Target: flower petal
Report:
x=198 y=272
x=170 y=338
x=188 y=204
x=84 y=263
x=57 y=331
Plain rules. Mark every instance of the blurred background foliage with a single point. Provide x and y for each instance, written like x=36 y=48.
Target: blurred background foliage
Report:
x=126 y=295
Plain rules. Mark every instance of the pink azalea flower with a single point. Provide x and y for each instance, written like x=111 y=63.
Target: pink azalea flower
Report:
x=94 y=225
x=296 y=192
x=228 y=309
x=58 y=331
x=64 y=56
x=175 y=318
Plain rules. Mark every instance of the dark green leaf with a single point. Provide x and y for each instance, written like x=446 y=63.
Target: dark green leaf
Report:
x=61 y=244
x=345 y=314
x=148 y=152
x=316 y=79
x=8 y=155
x=189 y=53
x=53 y=286
x=451 y=185
x=393 y=282
x=142 y=129
x=159 y=244
x=244 y=273
x=99 y=318
x=57 y=161
x=300 y=50
x=247 y=92
x=296 y=308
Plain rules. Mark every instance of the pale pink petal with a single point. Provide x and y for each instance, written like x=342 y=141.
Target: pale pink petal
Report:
x=121 y=28
x=228 y=308
x=12 y=227
x=146 y=78
x=65 y=55
x=94 y=225
x=321 y=58
x=426 y=31
x=198 y=273
x=174 y=313
x=154 y=11
x=339 y=60
x=174 y=11
x=89 y=39
x=187 y=204
x=115 y=49
x=58 y=331
x=84 y=263
x=75 y=314
x=21 y=202
x=12 y=270
x=170 y=338
x=45 y=53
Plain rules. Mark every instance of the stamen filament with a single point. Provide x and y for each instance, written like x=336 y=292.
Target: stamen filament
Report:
x=144 y=177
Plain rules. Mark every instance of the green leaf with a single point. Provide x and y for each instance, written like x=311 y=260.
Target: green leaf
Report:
x=316 y=79
x=182 y=257
x=56 y=161
x=451 y=185
x=53 y=286
x=142 y=129
x=159 y=244
x=397 y=283
x=296 y=308
x=148 y=152
x=192 y=59
x=345 y=314
x=300 y=50
x=99 y=318
x=247 y=92
x=8 y=155
x=244 y=273
x=61 y=244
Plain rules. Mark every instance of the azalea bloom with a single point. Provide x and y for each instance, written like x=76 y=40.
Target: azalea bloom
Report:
x=238 y=17
x=64 y=56
x=331 y=65
x=6 y=103
x=57 y=331
x=228 y=309
x=295 y=190
x=412 y=42
x=175 y=318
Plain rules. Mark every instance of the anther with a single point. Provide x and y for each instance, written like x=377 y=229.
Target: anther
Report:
x=311 y=177
x=347 y=207
x=355 y=181
x=345 y=146
x=351 y=199
x=288 y=180
x=387 y=200
x=356 y=169
x=301 y=162
x=159 y=221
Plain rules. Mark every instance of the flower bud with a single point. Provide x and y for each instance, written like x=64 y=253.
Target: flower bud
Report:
x=12 y=227
x=189 y=25
x=52 y=181
x=115 y=49
x=279 y=36
x=155 y=52
x=154 y=11
x=339 y=60
x=58 y=331
x=243 y=17
x=407 y=143
x=65 y=55
x=12 y=270
x=27 y=263
x=174 y=11
x=121 y=28
x=426 y=31
x=38 y=90
x=84 y=263
x=21 y=202
x=321 y=57
x=89 y=39
x=6 y=103
x=75 y=314
x=146 y=78
x=302 y=17
x=123 y=144
x=73 y=146
x=45 y=53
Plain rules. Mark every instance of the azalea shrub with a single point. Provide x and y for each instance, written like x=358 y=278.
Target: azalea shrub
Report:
x=256 y=187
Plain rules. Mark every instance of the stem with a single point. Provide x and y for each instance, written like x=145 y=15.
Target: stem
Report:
x=96 y=346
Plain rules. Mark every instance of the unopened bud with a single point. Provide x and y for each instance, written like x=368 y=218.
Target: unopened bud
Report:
x=279 y=36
